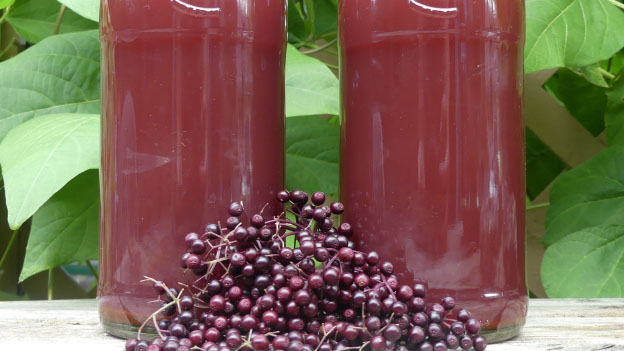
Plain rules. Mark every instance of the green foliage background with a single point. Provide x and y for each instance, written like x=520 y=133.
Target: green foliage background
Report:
x=49 y=134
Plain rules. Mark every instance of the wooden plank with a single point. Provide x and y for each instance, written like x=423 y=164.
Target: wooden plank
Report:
x=554 y=126
x=571 y=325
x=72 y=325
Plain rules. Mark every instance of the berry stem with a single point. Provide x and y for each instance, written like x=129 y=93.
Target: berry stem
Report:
x=153 y=315
x=325 y=334
x=383 y=278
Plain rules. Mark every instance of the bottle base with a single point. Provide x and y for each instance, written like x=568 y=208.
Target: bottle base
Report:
x=125 y=331
x=503 y=334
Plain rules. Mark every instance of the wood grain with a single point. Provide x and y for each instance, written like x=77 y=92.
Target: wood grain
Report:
x=552 y=325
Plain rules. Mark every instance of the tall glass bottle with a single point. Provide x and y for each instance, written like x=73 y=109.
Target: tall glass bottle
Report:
x=192 y=119
x=432 y=160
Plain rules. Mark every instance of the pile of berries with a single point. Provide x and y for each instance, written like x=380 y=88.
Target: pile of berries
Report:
x=254 y=291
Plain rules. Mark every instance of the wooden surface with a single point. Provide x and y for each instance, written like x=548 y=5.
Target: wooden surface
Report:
x=552 y=325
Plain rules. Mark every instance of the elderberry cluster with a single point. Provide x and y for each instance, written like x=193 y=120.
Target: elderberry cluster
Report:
x=255 y=292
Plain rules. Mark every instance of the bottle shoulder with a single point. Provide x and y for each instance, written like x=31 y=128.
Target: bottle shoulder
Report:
x=493 y=16
x=150 y=15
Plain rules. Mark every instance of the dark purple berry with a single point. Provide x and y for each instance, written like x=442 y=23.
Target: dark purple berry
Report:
x=131 y=344
x=440 y=346
x=345 y=254
x=466 y=342
x=236 y=209
x=452 y=341
x=480 y=343
x=372 y=258
x=318 y=198
x=387 y=268
x=473 y=326
x=463 y=316
x=392 y=333
x=337 y=208
x=405 y=293
x=186 y=303
x=257 y=221
x=298 y=197
x=448 y=303
x=457 y=328
x=190 y=238
x=259 y=342
x=159 y=288
x=283 y=196
x=378 y=343
x=417 y=335
x=419 y=290
x=198 y=247
x=232 y=222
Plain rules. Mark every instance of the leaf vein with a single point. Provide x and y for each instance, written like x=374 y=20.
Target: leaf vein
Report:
x=539 y=37
x=44 y=164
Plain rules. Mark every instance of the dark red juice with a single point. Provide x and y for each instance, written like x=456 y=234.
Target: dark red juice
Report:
x=192 y=119
x=432 y=159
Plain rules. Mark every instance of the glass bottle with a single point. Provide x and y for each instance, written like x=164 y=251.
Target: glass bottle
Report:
x=192 y=120
x=432 y=138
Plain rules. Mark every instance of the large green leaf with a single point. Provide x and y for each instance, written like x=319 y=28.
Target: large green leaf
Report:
x=6 y=3
x=65 y=229
x=542 y=165
x=587 y=196
x=588 y=263
x=325 y=17
x=34 y=20
x=585 y=101
x=571 y=32
x=297 y=31
x=311 y=87
x=60 y=74
x=614 y=116
x=86 y=8
x=312 y=154
x=615 y=63
x=42 y=155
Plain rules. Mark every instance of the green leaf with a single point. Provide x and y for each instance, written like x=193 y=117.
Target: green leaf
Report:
x=311 y=87
x=6 y=3
x=571 y=33
x=40 y=156
x=59 y=75
x=34 y=20
x=586 y=102
x=587 y=264
x=614 y=63
x=587 y=196
x=542 y=165
x=297 y=32
x=325 y=14
x=312 y=154
x=614 y=115
x=592 y=74
x=86 y=8
x=65 y=229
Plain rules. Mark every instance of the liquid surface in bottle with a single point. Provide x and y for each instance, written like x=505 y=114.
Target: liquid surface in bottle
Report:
x=193 y=119
x=432 y=158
